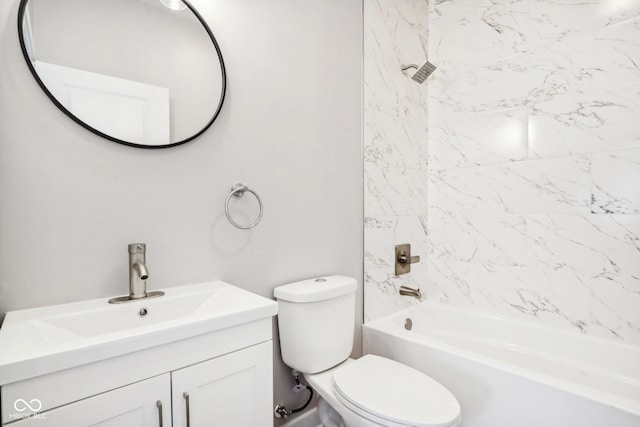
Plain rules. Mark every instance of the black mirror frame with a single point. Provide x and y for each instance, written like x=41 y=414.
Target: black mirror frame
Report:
x=223 y=90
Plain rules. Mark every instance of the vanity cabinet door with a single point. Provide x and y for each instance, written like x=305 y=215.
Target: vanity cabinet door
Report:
x=234 y=390
x=135 y=405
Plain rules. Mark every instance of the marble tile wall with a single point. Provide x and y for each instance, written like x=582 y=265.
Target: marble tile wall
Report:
x=395 y=149
x=527 y=201
x=534 y=161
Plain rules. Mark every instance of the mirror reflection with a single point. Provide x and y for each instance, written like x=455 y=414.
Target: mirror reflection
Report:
x=147 y=73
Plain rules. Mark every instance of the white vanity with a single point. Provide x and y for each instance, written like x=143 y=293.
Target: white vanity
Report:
x=200 y=354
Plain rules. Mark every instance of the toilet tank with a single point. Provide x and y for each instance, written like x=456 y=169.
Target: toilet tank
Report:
x=316 y=322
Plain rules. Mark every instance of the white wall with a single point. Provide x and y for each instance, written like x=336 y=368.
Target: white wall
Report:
x=290 y=129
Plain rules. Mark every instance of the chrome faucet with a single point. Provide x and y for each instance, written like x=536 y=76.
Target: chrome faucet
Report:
x=138 y=275
x=411 y=292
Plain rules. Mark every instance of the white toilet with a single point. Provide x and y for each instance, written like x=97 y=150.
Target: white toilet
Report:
x=315 y=320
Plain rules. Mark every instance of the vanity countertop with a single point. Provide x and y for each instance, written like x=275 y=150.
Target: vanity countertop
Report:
x=48 y=339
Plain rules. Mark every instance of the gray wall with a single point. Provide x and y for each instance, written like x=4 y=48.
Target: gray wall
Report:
x=290 y=128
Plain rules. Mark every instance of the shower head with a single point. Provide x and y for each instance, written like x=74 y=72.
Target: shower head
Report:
x=423 y=72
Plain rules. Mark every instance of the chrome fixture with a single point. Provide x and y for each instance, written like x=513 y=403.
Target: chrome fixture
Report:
x=238 y=190
x=423 y=72
x=159 y=406
x=408 y=324
x=280 y=410
x=187 y=399
x=404 y=259
x=411 y=292
x=138 y=275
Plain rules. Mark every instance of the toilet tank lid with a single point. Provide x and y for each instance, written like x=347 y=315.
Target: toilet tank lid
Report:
x=316 y=289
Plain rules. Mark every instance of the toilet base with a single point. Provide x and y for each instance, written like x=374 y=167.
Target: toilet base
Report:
x=328 y=416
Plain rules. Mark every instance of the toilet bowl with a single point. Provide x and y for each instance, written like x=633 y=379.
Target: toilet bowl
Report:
x=315 y=322
x=375 y=391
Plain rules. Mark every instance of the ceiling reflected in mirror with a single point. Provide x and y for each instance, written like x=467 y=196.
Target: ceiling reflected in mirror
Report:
x=174 y=4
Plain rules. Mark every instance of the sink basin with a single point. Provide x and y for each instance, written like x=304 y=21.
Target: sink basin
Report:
x=125 y=318
x=52 y=338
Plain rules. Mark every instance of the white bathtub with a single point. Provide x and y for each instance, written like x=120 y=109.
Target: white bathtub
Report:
x=514 y=374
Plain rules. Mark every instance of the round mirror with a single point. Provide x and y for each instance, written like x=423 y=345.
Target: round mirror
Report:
x=145 y=73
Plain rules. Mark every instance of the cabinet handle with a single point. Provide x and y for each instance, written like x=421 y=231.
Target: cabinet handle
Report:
x=159 y=405
x=186 y=398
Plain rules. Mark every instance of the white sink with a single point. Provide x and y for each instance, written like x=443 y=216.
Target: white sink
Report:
x=100 y=319
x=52 y=338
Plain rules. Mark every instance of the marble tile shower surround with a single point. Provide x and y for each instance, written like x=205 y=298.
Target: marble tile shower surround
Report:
x=395 y=148
x=531 y=203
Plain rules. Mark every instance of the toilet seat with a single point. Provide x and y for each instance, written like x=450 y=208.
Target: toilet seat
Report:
x=393 y=394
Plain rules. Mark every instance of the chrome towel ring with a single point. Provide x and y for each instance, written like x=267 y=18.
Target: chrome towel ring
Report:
x=238 y=190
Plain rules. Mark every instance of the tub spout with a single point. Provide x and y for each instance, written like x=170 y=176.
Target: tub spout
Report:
x=411 y=292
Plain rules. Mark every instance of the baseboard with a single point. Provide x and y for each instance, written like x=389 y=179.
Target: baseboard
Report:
x=308 y=419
